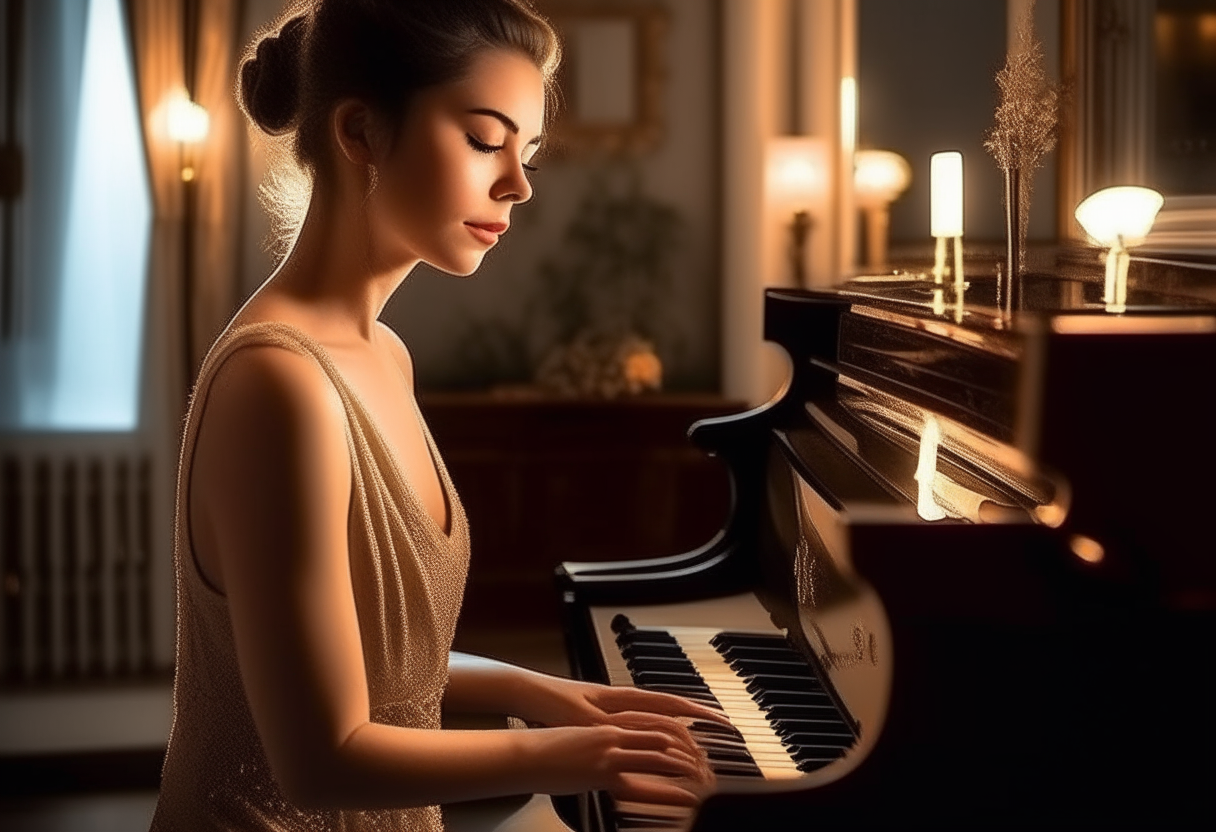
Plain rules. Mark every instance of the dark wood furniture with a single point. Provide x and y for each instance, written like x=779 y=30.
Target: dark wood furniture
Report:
x=967 y=578
x=545 y=480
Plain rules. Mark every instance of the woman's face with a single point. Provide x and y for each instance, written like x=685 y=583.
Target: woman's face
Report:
x=460 y=163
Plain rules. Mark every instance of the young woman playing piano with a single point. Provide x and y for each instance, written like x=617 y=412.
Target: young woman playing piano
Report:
x=321 y=550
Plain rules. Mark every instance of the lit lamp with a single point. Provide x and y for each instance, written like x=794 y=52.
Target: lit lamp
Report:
x=795 y=186
x=188 y=124
x=1119 y=218
x=879 y=177
x=946 y=212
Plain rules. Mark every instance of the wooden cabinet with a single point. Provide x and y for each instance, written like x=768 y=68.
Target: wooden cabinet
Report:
x=545 y=480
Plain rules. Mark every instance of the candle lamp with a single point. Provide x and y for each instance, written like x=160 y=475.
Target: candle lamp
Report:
x=946 y=213
x=1118 y=218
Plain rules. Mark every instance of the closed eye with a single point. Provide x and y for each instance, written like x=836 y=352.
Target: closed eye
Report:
x=480 y=146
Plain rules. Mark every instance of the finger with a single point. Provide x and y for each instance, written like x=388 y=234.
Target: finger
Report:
x=646 y=789
x=656 y=762
x=634 y=699
x=676 y=731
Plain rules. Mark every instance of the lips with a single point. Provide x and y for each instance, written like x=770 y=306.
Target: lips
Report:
x=486 y=232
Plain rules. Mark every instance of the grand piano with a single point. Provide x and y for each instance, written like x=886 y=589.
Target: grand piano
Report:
x=968 y=578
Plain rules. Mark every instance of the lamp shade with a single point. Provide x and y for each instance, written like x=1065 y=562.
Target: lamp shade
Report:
x=1123 y=213
x=797 y=174
x=879 y=177
x=946 y=194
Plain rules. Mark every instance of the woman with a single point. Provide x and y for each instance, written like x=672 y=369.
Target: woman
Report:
x=321 y=549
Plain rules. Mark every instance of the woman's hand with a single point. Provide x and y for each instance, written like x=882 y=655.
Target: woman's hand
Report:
x=555 y=701
x=641 y=759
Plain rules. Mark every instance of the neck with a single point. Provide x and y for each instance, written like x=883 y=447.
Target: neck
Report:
x=334 y=268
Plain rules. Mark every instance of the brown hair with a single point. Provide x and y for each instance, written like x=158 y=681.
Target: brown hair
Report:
x=378 y=51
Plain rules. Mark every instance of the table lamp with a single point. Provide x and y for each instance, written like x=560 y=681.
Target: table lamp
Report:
x=946 y=212
x=879 y=177
x=1118 y=218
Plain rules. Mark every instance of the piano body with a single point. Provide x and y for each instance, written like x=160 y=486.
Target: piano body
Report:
x=968 y=577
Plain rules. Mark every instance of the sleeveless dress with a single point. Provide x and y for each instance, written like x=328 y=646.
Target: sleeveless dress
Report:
x=408 y=579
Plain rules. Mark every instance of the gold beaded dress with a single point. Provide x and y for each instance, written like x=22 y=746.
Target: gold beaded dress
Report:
x=408 y=579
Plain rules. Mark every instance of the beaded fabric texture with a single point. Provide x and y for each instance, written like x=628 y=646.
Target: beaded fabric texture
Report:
x=408 y=579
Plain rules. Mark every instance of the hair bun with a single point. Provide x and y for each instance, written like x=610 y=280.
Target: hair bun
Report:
x=270 y=78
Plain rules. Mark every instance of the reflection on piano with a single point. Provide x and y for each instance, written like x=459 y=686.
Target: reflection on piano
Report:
x=968 y=577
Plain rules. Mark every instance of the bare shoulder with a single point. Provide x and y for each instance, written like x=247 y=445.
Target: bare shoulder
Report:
x=265 y=387
x=271 y=475
x=400 y=352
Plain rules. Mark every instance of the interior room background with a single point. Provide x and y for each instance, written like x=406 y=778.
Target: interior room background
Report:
x=924 y=71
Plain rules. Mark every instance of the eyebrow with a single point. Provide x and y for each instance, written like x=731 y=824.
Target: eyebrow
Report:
x=506 y=120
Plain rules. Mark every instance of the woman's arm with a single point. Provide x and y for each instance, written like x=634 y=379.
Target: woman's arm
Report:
x=481 y=685
x=272 y=490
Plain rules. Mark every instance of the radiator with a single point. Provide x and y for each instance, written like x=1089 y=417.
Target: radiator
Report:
x=86 y=588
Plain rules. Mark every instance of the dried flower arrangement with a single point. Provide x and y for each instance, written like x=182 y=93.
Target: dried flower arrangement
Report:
x=1026 y=129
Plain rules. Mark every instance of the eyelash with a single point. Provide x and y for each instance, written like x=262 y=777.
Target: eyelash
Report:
x=482 y=147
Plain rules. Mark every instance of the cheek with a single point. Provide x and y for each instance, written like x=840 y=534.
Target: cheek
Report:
x=436 y=178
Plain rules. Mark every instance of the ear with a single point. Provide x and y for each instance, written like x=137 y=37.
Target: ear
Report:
x=353 y=126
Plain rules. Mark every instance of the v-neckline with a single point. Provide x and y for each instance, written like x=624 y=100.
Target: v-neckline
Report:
x=386 y=447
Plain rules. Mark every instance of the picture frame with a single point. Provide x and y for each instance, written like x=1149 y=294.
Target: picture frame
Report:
x=612 y=79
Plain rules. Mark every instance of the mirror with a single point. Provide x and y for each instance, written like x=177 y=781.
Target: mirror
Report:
x=1144 y=112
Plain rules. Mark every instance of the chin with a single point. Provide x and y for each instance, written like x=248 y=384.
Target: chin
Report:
x=458 y=266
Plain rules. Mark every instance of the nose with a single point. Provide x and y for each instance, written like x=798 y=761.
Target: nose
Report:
x=513 y=185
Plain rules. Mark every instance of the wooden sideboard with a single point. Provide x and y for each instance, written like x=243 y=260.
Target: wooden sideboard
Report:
x=545 y=480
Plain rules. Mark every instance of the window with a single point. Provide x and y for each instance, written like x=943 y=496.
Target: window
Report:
x=72 y=356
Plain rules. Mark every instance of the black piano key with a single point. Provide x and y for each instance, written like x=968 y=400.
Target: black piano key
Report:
x=646 y=637
x=760 y=682
x=816 y=736
x=733 y=769
x=639 y=663
x=664 y=677
x=652 y=649
x=621 y=623
x=726 y=754
x=704 y=726
x=784 y=712
x=699 y=693
x=728 y=639
x=751 y=667
x=761 y=653
x=769 y=698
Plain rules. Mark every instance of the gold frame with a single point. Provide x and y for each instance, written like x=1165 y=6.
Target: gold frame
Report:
x=645 y=132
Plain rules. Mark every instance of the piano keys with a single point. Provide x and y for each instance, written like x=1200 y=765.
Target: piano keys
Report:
x=980 y=550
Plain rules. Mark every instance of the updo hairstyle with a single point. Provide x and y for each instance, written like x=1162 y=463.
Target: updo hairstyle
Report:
x=380 y=52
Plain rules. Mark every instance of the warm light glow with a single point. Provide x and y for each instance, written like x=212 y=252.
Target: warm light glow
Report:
x=1086 y=548
x=1122 y=215
x=1118 y=217
x=879 y=177
x=188 y=123
x=796 y=177
x=926 y=470
x=946 y=194
x=848 y=113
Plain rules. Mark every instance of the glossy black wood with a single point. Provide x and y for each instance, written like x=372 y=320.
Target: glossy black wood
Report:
x=1028 y=685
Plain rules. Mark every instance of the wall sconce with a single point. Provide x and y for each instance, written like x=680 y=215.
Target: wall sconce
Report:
x=188 y=124
x=796 y=185
x=1118 y=218
x=879 y=177
x=946 y=212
